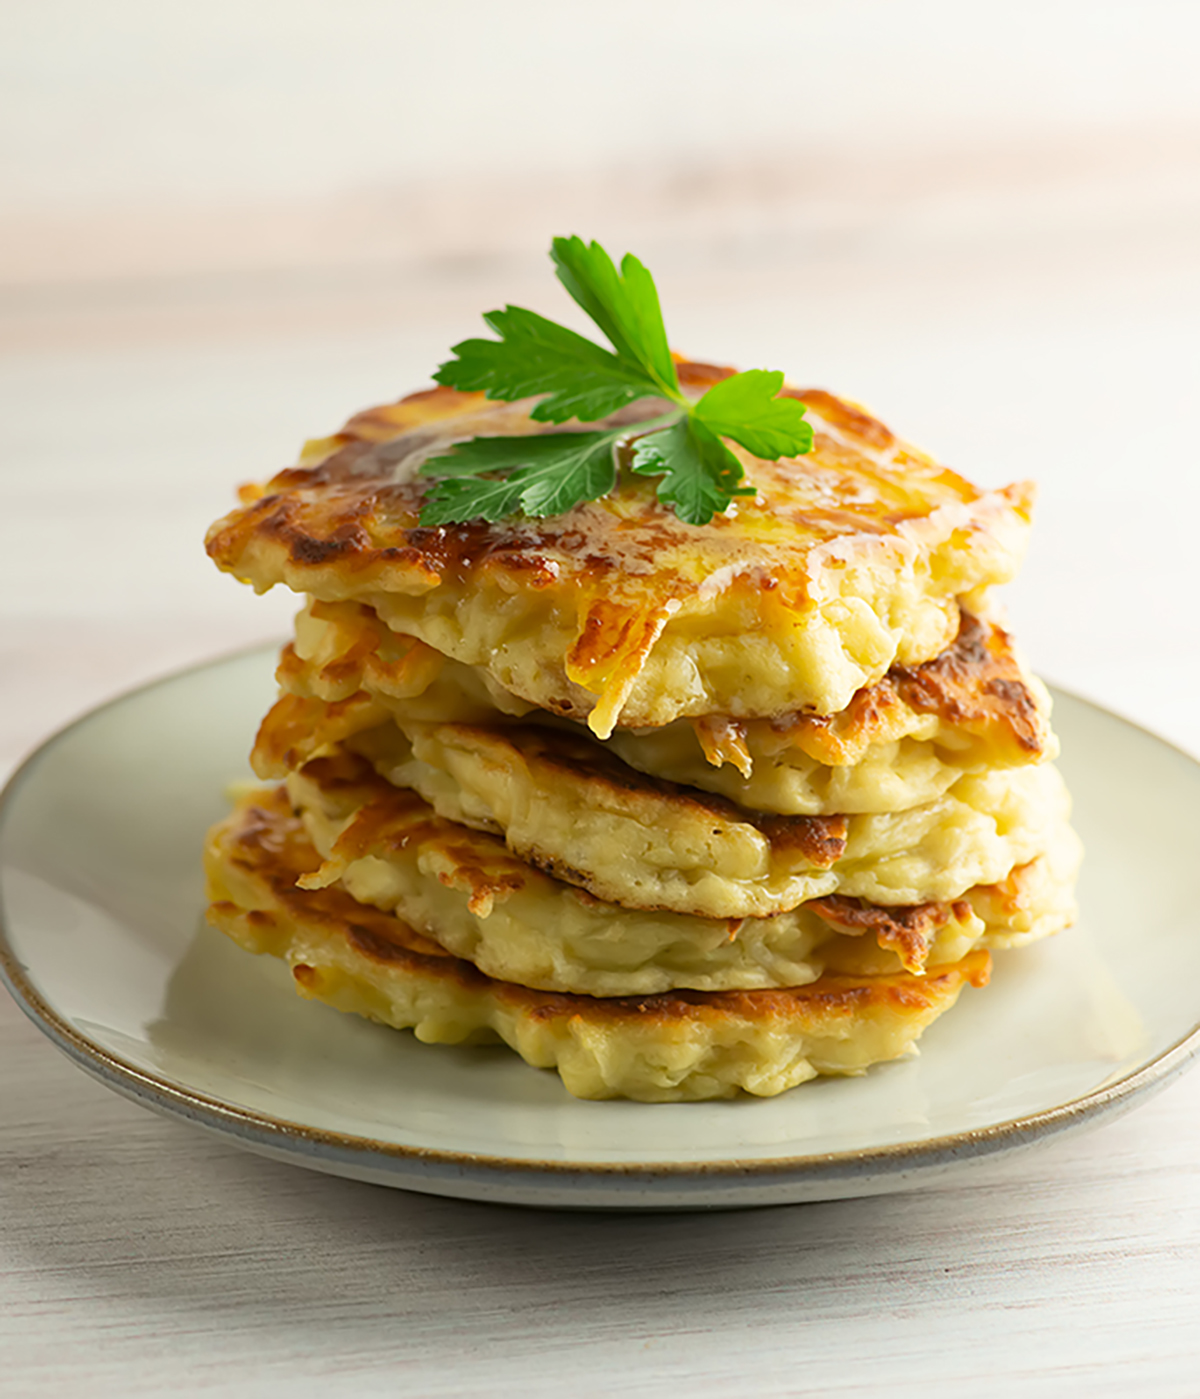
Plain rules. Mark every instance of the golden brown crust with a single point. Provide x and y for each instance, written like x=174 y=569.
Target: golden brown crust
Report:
x=975 y=685
x=388 y=819
x=295 y=729
x=908 y=930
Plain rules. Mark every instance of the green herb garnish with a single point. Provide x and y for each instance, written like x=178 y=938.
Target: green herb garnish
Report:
x=488 y=478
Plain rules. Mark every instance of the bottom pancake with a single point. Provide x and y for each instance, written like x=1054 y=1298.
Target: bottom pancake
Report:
x=676 y=1046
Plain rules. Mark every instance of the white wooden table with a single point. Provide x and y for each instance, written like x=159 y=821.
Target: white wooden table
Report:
x=1013 y=324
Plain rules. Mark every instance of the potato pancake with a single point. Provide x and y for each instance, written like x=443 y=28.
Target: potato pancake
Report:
x=568 y=806
x=674 y=1047
x=463 y=889
x=845 y=561
x=898 y=744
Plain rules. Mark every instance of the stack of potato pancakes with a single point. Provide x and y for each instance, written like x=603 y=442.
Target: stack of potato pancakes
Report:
x=679 y=811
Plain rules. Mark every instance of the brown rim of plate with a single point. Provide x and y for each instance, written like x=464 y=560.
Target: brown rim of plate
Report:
x=158 y=1092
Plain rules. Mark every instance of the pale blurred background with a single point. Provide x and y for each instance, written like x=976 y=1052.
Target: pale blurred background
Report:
x=228 y=225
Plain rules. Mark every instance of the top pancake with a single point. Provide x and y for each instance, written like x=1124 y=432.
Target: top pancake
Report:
x=846 y=561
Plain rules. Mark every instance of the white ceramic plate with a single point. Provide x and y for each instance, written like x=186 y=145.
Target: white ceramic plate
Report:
x=103 y=944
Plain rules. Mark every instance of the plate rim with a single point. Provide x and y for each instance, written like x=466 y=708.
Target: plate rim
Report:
x=264 y=1129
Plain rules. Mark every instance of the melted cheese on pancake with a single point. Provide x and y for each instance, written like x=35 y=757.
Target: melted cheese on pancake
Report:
x=675 y=1047
x=900 y=743
x=466 y=891
x=846 y=561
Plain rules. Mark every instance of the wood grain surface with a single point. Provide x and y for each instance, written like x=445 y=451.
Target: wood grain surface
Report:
x=140 y=1257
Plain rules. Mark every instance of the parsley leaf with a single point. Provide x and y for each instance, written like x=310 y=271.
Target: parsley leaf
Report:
x=747 y=408
x=548 y=475
x=623 y=304
x=534 y=355
x=700 y=475
x=488 y=478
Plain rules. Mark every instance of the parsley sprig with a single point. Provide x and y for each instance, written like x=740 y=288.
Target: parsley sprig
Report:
x=489 y=478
